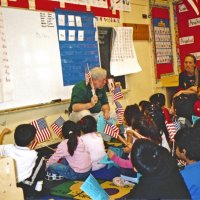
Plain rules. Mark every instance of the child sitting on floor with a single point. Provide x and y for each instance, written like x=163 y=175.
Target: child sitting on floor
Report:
x=160 y=176
x=159 y=99
x=187 y=142
x=183 y=107
x=130 y=114
x=93 y=141
x=71 y=159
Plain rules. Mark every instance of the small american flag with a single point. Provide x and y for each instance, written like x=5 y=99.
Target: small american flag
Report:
x=117 y=93
x=119 y=108
x=57 y=126
x=87 y=75
x=119 y=112
x=111 y=130
x=34 y=144
x=42 y=133
x=172 y=128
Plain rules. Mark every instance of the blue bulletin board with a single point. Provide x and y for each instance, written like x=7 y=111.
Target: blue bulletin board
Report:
x=78 y=44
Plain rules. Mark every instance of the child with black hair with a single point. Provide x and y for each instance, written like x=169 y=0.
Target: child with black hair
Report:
x=183 y=107
x=187 y=142
x=159 y=99
x=130 y=114
x=71 y=159
x=93 y=141
x=160 y=176
x=143 y=104
x=24 y=157
x=155 y=114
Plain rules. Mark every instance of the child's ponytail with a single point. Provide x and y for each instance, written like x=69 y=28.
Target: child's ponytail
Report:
x=71 y=132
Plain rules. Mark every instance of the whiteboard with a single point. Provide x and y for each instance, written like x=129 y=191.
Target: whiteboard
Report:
x=34 y=58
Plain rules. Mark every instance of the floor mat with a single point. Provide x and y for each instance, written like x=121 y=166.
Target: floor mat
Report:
x=71 y=189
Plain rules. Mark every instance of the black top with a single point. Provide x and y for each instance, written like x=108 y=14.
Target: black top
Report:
x=186 y=81
x=166 y=184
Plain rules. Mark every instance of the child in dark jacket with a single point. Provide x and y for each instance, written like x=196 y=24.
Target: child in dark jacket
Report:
x=160 y=176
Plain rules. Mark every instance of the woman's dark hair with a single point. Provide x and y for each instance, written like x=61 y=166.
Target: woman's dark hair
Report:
x=158 y=99
x=189 y=139
x=146 y=157
x=88 y=124
x=71 y=132
x=143 y=104
x=192 y=56
x=130 y=113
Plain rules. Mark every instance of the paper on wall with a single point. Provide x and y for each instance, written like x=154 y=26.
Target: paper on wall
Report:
x=61 y=20
x=61 y=35
x=78 y=21
x=123 y=56
x=71 y=21
x=80 y=35
x=71 y=35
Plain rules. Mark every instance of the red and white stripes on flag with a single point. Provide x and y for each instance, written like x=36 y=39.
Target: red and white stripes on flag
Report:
x=194 y=4
x=57 y=126
x=119 y=112
x=111 y=130
x=34 y=144
x=172 y=128
x=117 y=94
x=42 y=131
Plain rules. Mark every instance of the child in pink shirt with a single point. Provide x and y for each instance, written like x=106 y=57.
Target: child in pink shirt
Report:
x=93 y=141
x=75 y=159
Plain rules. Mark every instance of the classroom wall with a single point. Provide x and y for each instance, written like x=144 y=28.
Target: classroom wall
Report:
x=140 y=85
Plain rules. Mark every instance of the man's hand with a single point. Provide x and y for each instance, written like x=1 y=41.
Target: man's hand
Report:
x=94 y=100
x=106 y=115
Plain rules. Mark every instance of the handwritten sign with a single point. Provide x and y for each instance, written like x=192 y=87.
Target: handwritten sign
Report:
x=194 y=22
x=186 y=40
x=6 y=88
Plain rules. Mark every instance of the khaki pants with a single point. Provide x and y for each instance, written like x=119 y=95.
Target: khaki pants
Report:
x=76 y=116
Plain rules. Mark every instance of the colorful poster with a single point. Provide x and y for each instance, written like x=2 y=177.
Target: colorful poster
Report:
x=162 y=41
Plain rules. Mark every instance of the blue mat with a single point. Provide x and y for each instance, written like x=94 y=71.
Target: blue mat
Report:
x=107 y=174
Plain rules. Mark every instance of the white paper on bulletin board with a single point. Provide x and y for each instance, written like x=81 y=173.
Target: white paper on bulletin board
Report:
x=123 y=57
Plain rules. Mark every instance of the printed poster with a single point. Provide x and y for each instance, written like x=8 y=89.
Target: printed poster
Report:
x=123 y=57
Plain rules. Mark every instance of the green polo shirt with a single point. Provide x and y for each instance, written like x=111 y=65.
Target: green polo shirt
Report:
x=83 y=94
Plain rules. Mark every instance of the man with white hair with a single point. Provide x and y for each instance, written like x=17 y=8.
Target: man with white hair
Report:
x=85 y=101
